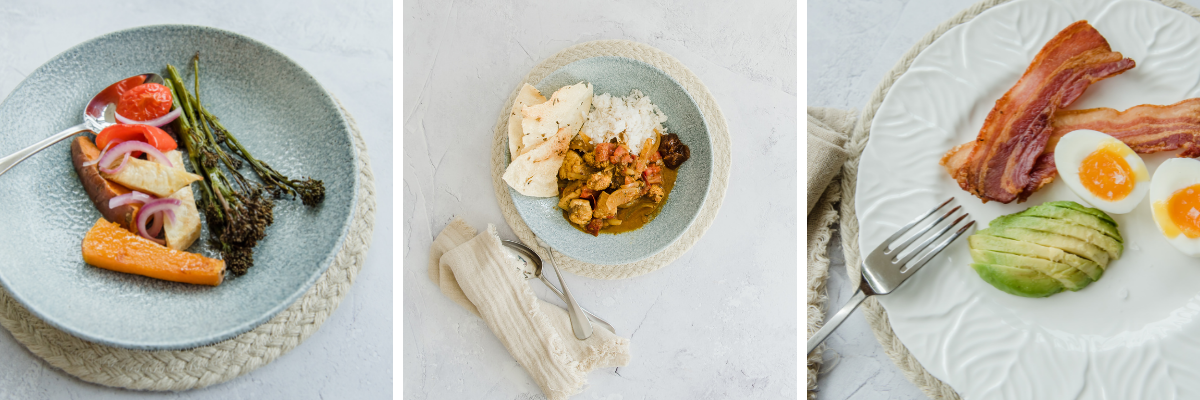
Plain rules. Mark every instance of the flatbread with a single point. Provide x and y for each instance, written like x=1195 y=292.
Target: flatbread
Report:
x=535 y=173
x=567 y=109
x=528 y=96
x=184 y=231
x=151 y=177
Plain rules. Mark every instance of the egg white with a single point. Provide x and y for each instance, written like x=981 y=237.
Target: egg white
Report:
x=1170 y=177
x=1069 y=153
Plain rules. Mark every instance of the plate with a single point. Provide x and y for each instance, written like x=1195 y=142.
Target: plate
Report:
x=617 y=76
x=1131 y=335
x=277 y=110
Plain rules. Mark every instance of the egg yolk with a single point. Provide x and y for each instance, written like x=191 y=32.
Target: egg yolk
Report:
x=1106 y=174
x=1184 y=209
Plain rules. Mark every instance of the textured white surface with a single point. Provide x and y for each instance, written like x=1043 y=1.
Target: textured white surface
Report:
x=717 y=323
x=347 y=47
x=843 y=78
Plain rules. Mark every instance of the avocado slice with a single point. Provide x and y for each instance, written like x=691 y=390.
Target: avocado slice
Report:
x=1092 y=236
x=1078 y=207
x=1071 y=278
x=1018 y=280
x=1067 y=243
x=1076 y=217
x=1027 y=249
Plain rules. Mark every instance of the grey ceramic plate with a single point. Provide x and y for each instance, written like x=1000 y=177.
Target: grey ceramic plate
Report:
x=279 y=112
x=617 y=76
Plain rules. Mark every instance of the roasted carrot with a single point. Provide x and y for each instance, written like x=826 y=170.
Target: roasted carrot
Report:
x=111 y=247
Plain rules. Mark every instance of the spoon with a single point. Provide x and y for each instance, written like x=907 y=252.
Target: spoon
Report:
x=580 y=325
x=533 y=269
x=100 y=113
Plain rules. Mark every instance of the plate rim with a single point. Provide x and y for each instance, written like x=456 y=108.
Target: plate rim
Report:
x=291 y=298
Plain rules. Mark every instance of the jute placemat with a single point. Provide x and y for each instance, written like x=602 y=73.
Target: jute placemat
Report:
x=875 y=314
x=718 y=133
x=208 y=365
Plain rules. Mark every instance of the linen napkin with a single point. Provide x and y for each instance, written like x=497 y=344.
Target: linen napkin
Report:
x=474 y=271
x=828 y=130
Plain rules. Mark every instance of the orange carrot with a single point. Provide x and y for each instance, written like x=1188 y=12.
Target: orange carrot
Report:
x=111 y=247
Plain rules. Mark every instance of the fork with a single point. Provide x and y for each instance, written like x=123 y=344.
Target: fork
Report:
x=883 y=271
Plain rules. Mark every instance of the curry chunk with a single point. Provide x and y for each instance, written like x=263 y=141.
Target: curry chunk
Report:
x=656 y=193
x=599 y=181
x=572 y=167
x=581 y=211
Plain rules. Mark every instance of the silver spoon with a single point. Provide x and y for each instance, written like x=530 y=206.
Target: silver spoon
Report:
x=533 y=269
x=580 y=324
x=100 y=113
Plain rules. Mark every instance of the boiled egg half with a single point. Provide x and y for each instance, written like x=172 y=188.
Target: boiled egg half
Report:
x=1102 y=170
x=1175 y=203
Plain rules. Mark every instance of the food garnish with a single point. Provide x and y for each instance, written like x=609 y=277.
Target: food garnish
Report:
x=1045 y=249
x=1104 y=172
x=1003 y=162
x=107 y=245
x=237 y=211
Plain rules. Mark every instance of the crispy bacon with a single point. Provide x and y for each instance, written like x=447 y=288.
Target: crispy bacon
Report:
x=1002 y=160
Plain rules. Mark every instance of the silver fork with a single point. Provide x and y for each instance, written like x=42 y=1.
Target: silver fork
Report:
x=883 y=270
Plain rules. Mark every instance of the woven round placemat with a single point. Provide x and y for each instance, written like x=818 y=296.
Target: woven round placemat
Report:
x=718 y=134
x=216 y=363
x=875 y=314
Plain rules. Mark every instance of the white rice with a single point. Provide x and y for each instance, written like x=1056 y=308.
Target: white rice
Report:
x=630 y=119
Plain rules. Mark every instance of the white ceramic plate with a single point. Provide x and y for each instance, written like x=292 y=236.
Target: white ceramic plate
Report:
x=1131 y=335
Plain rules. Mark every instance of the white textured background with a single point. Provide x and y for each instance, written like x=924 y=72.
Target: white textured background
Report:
x=718 y=323
x=851 y=45
x=347 y=46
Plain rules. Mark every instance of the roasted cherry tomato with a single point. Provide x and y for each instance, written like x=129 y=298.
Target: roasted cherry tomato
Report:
x=145 y=102
x=145 y=133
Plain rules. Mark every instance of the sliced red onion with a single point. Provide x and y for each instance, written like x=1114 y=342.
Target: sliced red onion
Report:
x=150 y=208
x=158 y=122
x=156 y=226
x=128 y=147
x=118 y=168
x=97 y=160
x=127 y=198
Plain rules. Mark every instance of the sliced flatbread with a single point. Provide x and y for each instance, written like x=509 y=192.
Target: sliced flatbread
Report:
x=535 y=173
x=185 y=229
x=567 y=109
x=528 y=96
x=152 y=177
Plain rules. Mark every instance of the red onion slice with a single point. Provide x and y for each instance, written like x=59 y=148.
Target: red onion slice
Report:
x=152 y=207
x=118 y=168
x=156 y=226
x=97 y=160
x=127 y=198
x=158 y=122
x=124 y=148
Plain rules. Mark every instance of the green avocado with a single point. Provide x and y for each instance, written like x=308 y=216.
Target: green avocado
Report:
x=1018 y=280
x=1071 y=278
x=1066 y=243
x=1077 y=207
x=1075 y=216
x=1002 y=245
x=1060 y=227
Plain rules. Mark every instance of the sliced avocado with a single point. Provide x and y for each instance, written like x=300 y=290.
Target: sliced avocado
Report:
x=1071 y=278
x=1078 y=207
x=1003 y=245
x=1092 y=236
x=1067 y=243
x=1017 y=280
x=1076 y=217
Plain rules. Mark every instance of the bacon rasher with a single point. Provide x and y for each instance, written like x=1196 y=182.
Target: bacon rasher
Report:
x=1000 y=165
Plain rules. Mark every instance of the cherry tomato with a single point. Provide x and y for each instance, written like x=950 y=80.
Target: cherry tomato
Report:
x=145 y=102
x=145 y=133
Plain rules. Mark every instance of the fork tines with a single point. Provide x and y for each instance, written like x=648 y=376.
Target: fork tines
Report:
x=911 y=252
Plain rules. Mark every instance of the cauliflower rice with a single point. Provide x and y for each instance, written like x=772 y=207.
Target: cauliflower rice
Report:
x=630 y=119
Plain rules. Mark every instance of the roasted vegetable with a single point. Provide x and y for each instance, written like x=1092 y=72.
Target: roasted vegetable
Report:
x=98 y=189
x=111 y=247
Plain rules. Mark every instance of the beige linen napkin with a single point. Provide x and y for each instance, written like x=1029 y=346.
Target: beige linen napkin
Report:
x=474 y=271
x=827 y=132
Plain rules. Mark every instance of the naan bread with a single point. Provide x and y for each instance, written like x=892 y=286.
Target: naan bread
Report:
x=567 y=109
x=151 y=177
x=185 y=229
x=528 y=96
x=535 y=173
